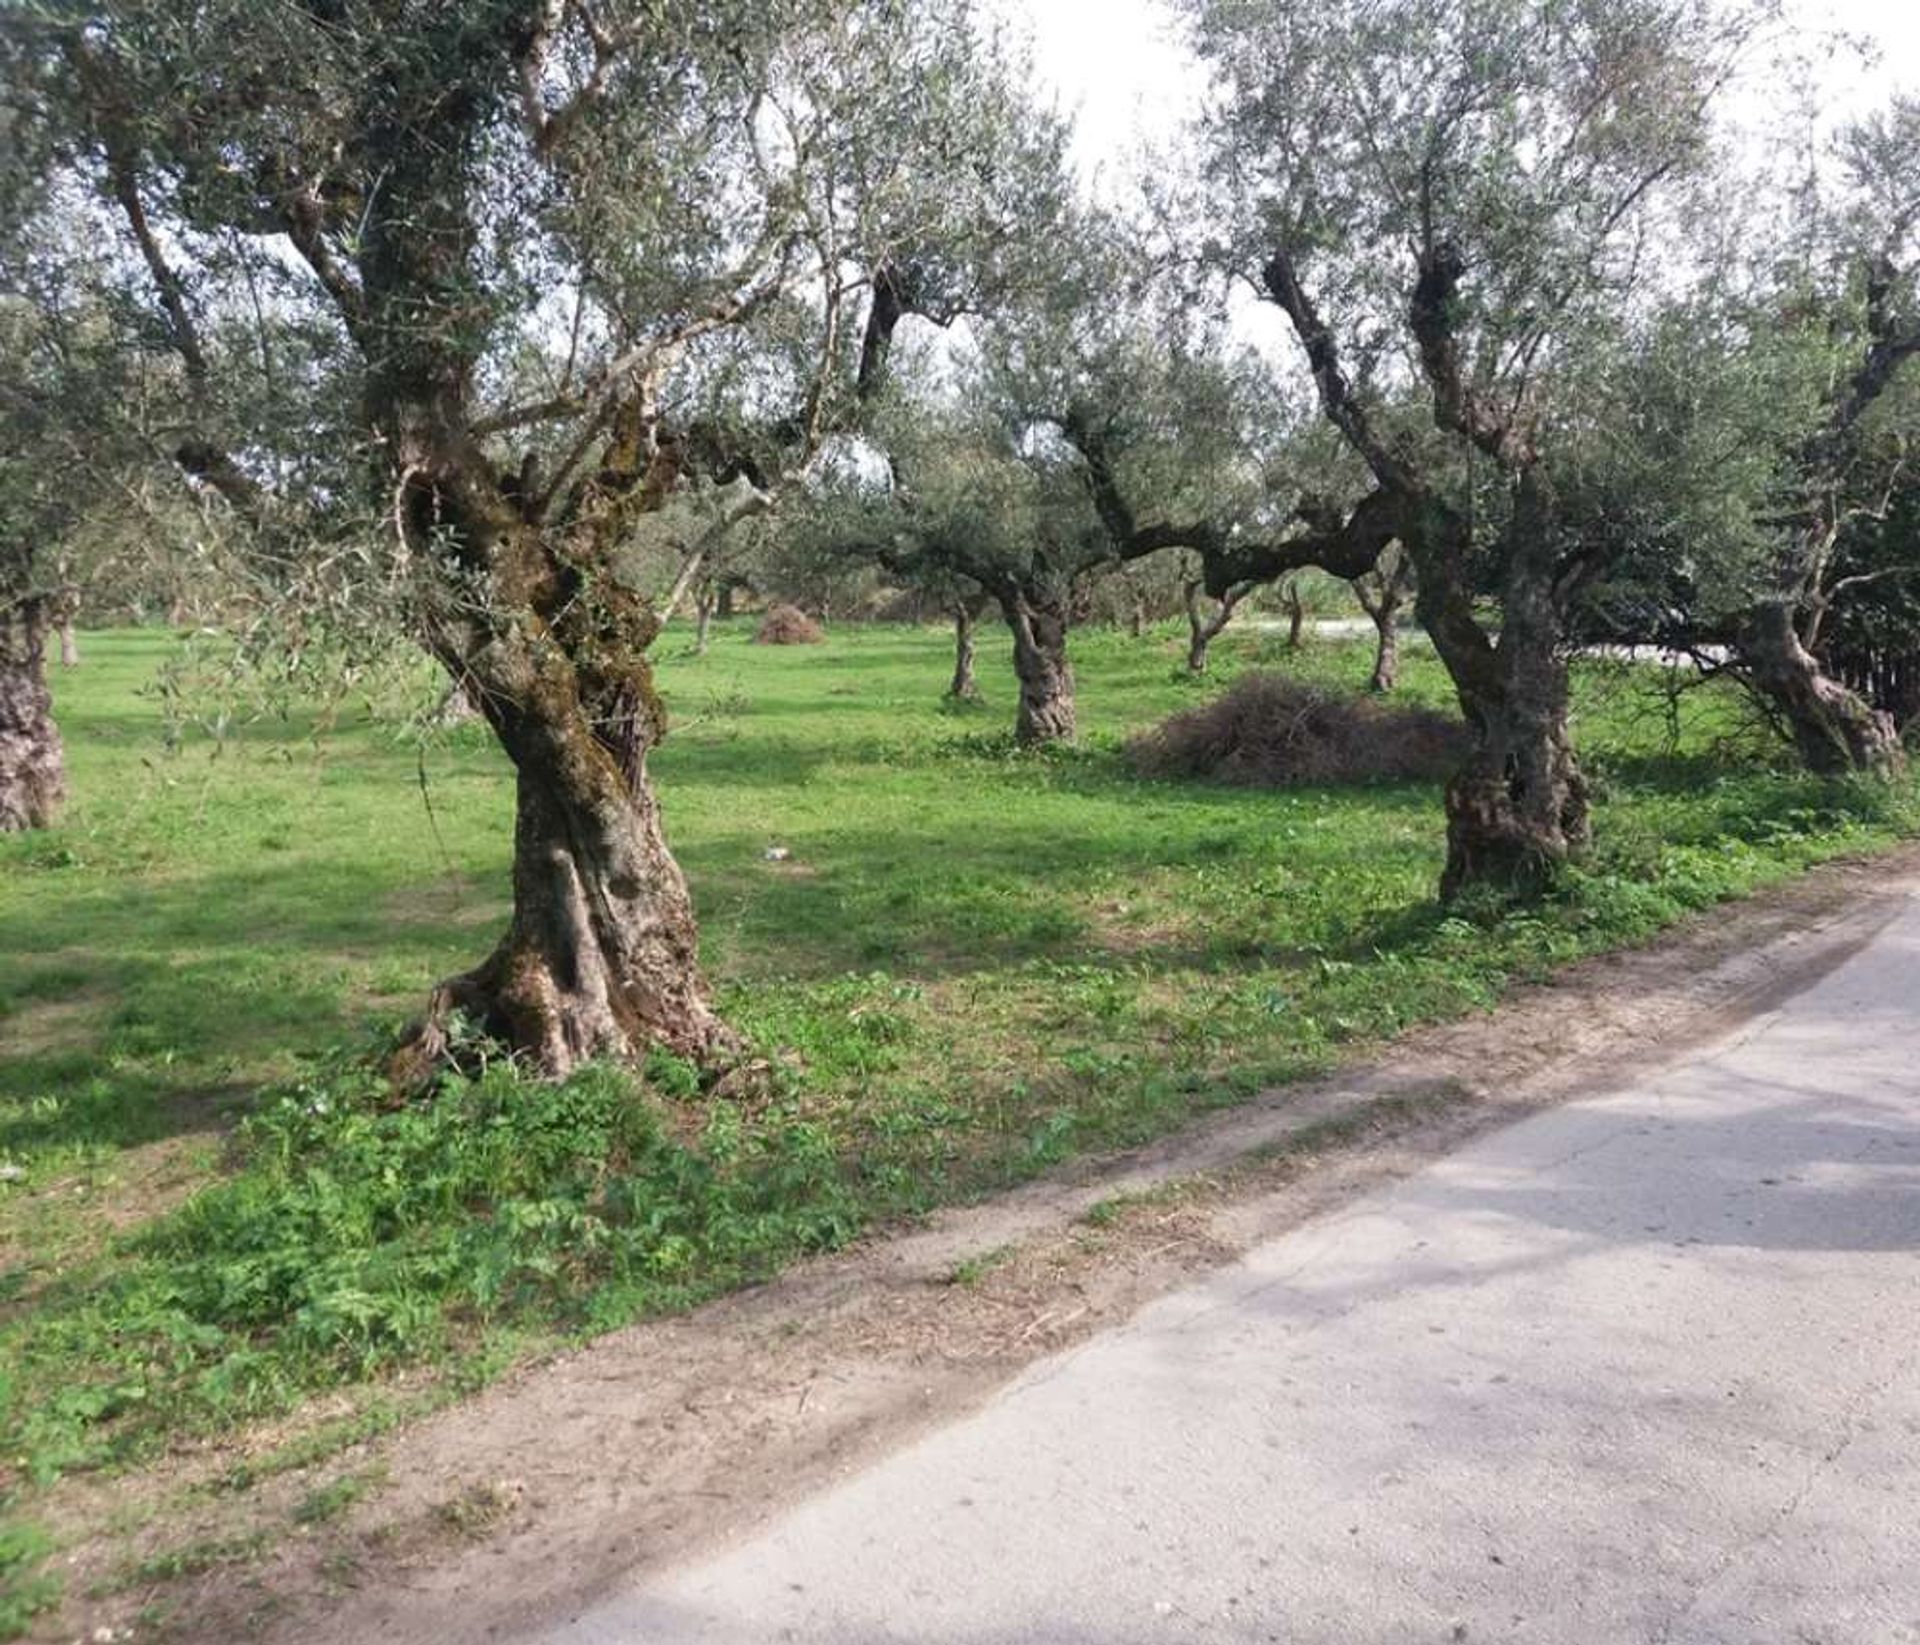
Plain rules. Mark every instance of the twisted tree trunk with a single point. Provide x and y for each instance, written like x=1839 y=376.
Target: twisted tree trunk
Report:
x=601 y=956
x=1039 y=626
x=1204 y=627
x=1518 y=809
x=33 y=781
x=1296 y=613
x=964 y=687
x=1386 y=654
x=1834 y=728
x=1381 y=593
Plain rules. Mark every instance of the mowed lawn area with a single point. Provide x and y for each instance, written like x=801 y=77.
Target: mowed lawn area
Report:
x=971 y=963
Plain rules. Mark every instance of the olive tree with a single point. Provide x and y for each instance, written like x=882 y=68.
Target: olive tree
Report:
x=1207 y=614
x=1857 y=309
x=1098 y=422
x=1451 y=198
x=994 y=505
x=518 y=237
x=1066 y=451
x=1745 y=446
x=72 y=449
x=34 y=515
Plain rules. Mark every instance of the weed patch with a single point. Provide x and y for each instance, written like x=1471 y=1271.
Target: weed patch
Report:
x=354 y=1236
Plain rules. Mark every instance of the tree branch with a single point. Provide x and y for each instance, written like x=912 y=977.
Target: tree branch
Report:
x=1337 y=397
x=1347 y=545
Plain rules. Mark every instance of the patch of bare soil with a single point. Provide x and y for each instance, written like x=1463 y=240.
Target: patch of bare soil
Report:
x=52 y=1025
x=521 y=1505
x=146 y=1182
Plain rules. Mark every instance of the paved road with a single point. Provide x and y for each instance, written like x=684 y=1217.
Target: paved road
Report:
x=1645 y=1368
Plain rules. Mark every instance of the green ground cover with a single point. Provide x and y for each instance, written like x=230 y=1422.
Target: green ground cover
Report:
x=973 y=963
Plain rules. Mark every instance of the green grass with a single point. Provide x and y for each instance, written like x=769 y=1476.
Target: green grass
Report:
x=974 y=963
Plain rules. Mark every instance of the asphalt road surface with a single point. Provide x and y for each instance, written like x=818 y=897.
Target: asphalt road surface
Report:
x=1644 y=1368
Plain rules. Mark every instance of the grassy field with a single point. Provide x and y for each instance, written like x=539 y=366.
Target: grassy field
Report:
x=973 y=963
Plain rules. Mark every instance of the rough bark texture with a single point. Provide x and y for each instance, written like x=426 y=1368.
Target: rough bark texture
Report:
x=1296 y=615
x=1834 y=728
x=1039 y=629
x=1518 y=809
x=32 y=763
x=964 y=687
x=1386 y=655
x=600 y=957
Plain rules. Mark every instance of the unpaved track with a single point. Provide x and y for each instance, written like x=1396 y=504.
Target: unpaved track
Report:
x=1644 y=1368
x=659 y=1445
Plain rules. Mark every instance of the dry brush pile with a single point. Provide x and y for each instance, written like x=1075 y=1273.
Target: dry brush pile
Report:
x=1270 y=731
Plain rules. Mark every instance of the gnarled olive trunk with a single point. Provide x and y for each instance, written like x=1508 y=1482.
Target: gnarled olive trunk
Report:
x=1296 y=614
x=33 y=781
x=964 y=687
x=1833 y=727
x=600 y=957
x=1199 y=644
x=1204 y=627
x=1386 y=653
x=1039 y=626
x=1381 y=595
x=1518 y=808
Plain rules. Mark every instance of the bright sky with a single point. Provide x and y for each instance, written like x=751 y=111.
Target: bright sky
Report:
x=1119 y=63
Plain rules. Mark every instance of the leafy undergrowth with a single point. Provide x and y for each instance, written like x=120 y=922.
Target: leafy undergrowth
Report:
x=970 y=963
x=354 y=1235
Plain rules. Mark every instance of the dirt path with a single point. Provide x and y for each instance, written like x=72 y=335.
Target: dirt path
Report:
x=520 y=1506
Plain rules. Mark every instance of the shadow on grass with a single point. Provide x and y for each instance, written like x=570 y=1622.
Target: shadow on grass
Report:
x=77 y=1104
